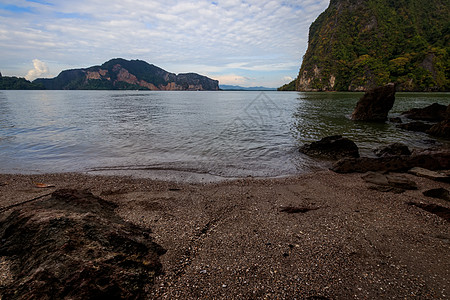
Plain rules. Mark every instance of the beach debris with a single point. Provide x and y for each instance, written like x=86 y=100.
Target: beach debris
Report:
x=438 y=210
x=43 y=185
x=375 y=104
x=332 y=147
x=296 y=210
x=439 y=193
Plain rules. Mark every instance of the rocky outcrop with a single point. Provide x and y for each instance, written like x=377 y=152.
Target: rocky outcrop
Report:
x=442 y=129
x=433 y=175
x=434 y=113
x=429 y=160
x=394 y=149
x=375 y=105
x=389 y=182
x=332 y=147
x=123 y=74
x=74 y=246
x=352 y=46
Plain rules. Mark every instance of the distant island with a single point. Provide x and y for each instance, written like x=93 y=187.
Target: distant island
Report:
x=121 y=74
x=226 y=87
x=355 y=45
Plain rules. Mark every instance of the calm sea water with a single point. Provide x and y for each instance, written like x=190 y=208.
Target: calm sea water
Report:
x=184 y=135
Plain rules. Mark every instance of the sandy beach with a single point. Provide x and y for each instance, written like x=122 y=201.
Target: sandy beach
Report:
x=314 y=236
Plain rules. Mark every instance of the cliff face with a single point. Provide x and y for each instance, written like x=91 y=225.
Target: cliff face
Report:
x=123 y=74
x=356 y=45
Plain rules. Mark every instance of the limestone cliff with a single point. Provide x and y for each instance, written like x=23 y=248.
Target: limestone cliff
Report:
x=123 y=74
x=356 y=45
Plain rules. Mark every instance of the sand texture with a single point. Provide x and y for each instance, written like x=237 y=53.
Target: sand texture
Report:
x=316 y=236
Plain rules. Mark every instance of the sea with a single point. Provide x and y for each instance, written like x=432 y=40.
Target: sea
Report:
x=195 y=136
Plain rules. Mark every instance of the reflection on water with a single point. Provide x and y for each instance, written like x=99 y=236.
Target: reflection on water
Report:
x=227 y=134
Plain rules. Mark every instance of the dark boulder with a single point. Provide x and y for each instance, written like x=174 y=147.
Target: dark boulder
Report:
x=434 y=113
x=394 y=149
x=332 y=147
x=375 y=105
x=430 y=160
x=75 y=246
x=415 y=126
x=442 y=129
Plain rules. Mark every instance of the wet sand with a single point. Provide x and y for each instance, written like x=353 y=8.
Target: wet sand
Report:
x=316 y=236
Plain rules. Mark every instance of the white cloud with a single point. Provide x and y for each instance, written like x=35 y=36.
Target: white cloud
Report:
x=231 y=79
x=40 y=69
x=253 y=35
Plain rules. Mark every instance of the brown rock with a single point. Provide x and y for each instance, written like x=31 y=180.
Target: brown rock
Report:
x=434 y=112
x=429 y=174
x=441 y=129
x=74 y=246
x=332 y=147
x=375 y=104
x=393 y=181
x=394 y=149
x=429 y=160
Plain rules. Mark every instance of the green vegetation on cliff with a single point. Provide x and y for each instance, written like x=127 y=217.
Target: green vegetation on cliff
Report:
x=359 y=44
x=288 y=86
x=16 y=83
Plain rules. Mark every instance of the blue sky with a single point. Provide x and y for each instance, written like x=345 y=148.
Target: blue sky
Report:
x=248 y=43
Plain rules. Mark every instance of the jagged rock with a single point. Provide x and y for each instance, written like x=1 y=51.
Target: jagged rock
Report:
x=394 y=149
x=434 y=113
x=436 y=176
x=429 y=160
x=415 y=126
x=439 y=193
x=375 y=104
x=332 y=147
x=74 y=246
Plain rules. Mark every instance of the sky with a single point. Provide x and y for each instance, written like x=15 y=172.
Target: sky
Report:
x=238 y=42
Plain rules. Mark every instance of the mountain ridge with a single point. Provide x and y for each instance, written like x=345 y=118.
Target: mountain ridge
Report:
x=227 y=87
x=119 y=73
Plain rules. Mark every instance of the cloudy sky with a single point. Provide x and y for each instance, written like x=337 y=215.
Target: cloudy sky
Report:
x=242 y=42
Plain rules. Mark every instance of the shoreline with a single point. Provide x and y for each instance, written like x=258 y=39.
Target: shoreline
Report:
x=245 y=239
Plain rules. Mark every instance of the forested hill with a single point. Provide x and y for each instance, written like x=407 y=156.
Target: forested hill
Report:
x=359 y=44
x=122 y=74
